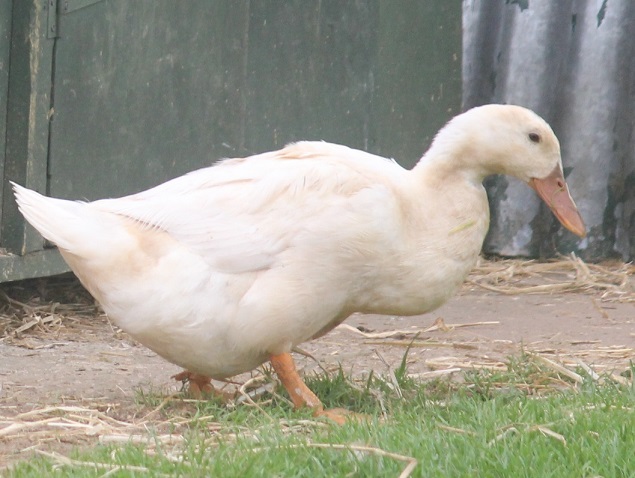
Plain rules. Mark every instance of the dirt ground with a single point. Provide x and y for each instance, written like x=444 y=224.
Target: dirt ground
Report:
x=87 y=362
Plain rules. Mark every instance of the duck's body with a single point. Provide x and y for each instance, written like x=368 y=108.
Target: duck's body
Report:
x=220 y=268
x=225 y=267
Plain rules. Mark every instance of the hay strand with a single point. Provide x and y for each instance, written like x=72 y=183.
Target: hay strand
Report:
x=613 y=282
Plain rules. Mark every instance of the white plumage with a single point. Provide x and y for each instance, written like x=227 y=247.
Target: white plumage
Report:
x=226 y=266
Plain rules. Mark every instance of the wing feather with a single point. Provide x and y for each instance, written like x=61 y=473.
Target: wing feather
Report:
x=240 y=214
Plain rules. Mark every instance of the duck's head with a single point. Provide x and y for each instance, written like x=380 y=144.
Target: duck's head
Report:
x=506 y=139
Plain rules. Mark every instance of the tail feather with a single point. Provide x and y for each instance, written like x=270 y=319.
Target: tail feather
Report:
x=71 y=225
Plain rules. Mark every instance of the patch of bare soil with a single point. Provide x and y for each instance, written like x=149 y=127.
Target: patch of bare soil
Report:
x=68 y=376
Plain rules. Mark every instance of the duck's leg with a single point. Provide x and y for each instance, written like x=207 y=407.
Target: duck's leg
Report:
x=198 y=384
x=300 y=394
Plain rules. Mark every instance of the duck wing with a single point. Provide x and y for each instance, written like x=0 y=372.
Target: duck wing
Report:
x=240 y=214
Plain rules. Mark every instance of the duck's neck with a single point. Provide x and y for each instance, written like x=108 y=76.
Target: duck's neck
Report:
x=450 y=162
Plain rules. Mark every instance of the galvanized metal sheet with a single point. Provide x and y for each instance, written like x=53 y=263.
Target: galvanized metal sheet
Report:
x=574 y=63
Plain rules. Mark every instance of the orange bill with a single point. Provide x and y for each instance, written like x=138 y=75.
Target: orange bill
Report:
x=554 y=191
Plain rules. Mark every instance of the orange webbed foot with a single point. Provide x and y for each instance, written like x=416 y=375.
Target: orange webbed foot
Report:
x=340 y=415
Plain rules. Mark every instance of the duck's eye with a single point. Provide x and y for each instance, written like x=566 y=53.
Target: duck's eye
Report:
x=534 y=137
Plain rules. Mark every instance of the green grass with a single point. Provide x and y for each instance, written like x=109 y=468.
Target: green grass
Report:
x=525 y=422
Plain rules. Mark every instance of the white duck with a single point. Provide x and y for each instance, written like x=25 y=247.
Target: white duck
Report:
x=232 y=265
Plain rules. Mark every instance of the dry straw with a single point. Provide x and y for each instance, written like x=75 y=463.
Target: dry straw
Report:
x=612 y=281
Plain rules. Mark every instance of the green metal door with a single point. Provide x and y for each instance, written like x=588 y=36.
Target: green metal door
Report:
x=27 y=103
x=126 y=95
x=5 y=44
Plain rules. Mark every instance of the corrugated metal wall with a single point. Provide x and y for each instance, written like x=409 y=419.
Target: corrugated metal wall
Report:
x=573 y=62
